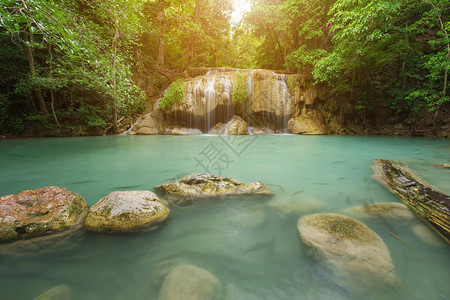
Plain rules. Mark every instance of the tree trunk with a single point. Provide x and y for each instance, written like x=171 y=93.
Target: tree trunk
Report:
x=115 y=43
x=52 y=96
x=427 y=202
x=161 y=46
x=41 y=102
x=192 y=38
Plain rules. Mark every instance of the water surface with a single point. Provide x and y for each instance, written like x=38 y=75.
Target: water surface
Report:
x=251 y=246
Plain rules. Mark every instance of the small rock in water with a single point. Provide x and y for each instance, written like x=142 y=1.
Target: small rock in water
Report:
x=237 y=126
x=189 y=282
x=427 y=235
x=205 y=185
x=126 y=211
x=350 y=248
x=393 y=210
x=44 y=211
x=60 y=292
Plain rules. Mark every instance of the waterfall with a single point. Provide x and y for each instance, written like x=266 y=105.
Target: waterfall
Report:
x=208 y=100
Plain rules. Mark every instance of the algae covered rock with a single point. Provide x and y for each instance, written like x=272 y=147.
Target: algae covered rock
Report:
x=392 y=210
x=189 y=282
x=126 y=211
x=204 y=185
x=40 y=212
x=350 y=248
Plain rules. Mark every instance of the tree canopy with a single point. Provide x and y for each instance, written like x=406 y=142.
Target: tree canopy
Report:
x=71 y=67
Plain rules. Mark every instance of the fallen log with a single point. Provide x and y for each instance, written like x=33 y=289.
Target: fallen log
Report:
x=426 y=201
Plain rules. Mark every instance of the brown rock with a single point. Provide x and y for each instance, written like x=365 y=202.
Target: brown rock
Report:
x=40 y=212
x=310 y=123
x=237 y=126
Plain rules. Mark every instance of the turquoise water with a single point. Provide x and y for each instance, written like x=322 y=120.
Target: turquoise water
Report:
x=250 y=245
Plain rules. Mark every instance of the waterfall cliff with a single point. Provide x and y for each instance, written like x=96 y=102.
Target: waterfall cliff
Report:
x=273 y=102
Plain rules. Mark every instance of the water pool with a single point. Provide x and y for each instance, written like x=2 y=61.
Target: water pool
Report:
x=250 y=245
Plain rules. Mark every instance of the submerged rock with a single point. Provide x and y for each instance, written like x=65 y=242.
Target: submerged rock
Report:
x=300 y=206
x=310 y=123
x=427 y=235
x=60 y=292
x=203 y=185
x=350 y=248
x=189 y=282
x=126 y=211
x=44 y=211
x=237 y=126
x=393 y=210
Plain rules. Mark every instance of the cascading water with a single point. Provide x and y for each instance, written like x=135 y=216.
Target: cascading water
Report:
x=208 y=100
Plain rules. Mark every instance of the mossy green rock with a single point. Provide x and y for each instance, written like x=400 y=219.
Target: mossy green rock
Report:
x=40 y=212
x=127 y=211
x=350 y=248
x=203 y=185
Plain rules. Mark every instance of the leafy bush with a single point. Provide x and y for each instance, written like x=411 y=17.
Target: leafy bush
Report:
x=175 y=92
x=239 y=89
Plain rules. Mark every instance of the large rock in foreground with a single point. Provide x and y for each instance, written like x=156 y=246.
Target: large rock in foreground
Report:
x=350 y=248
x=311 y=123
x=127 y=211
x=40 y=212
x=188 y=282
x=203 y=185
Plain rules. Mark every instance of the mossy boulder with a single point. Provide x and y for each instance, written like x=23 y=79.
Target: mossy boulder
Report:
x=126 y=211
x=349 y=248
x=189 y=282
x=205 y=185
x=392 y=210
x=39 y=212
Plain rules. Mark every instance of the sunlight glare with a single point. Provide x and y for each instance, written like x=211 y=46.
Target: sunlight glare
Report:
x=240 y=7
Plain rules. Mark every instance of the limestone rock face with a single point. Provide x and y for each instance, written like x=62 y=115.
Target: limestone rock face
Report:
x=126 y=211
x=189 y=282
x=146 y=126
x=392 y=210
x=237 y=126
x=310 y=123
x=40 y=212
x=219 y=128
x=202 y=185
x=349 y=247
x=182 y=131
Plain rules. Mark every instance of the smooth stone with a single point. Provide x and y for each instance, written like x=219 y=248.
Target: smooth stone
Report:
x=259 y=131
x=189 y=282
x=205 y=185
x=392 y=210
x=297 y=205
x=427 y=235
x=43 y=211
x=60 y=292
x=350 y=249
x=126 y=211
x=252 y=219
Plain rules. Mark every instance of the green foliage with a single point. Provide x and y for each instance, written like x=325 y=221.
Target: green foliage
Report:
x=174 y=93
x=239 y=89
